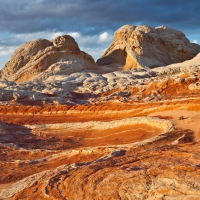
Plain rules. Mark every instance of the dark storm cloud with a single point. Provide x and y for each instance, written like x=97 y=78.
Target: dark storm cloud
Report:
x=94 y=16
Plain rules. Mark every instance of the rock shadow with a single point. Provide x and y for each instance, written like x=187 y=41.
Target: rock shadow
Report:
x=117 y=56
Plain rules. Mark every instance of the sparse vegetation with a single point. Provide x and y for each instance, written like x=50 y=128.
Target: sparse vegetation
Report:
x=181 y=118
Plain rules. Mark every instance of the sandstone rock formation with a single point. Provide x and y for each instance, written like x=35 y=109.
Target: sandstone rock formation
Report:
x=141 y=160
x=61 y=55
x=152 y=85
x=136 y=47
x=83 y=134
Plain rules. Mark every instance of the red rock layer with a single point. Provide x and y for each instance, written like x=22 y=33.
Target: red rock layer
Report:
x=69 y=165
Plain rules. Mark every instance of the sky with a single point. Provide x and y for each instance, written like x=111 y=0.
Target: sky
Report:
x=91 y=22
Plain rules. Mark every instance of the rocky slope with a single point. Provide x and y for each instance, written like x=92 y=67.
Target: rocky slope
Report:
x=94 y=134
x=179 y=80
x=136 y=47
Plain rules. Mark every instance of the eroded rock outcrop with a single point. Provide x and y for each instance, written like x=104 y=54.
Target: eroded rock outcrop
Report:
x=162 y=83
x=59 y=56
x=98 y=135
x=143 y=46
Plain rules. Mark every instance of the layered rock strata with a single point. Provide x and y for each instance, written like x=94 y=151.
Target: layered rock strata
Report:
x=54 y=162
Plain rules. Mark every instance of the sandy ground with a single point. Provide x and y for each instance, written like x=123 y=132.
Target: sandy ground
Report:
x=183 y=119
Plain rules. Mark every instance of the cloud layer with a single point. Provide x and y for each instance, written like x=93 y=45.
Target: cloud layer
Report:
x=92 y=23
x=91 y=16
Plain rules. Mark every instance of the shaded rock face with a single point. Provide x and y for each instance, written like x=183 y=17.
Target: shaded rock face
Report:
x=35 y=57
x=143 y=46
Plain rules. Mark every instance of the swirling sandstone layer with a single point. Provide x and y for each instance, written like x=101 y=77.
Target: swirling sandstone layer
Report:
x=105 y=159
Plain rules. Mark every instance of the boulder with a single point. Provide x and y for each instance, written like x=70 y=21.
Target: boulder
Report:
x=137 y=47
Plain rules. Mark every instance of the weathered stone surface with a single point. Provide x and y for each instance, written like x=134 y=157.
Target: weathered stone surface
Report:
x=67 y=42
x=23 y=55
x=35 y=57
x=58 y=84
x=136 y=47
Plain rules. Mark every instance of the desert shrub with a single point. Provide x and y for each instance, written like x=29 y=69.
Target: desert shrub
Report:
x=181 y=118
